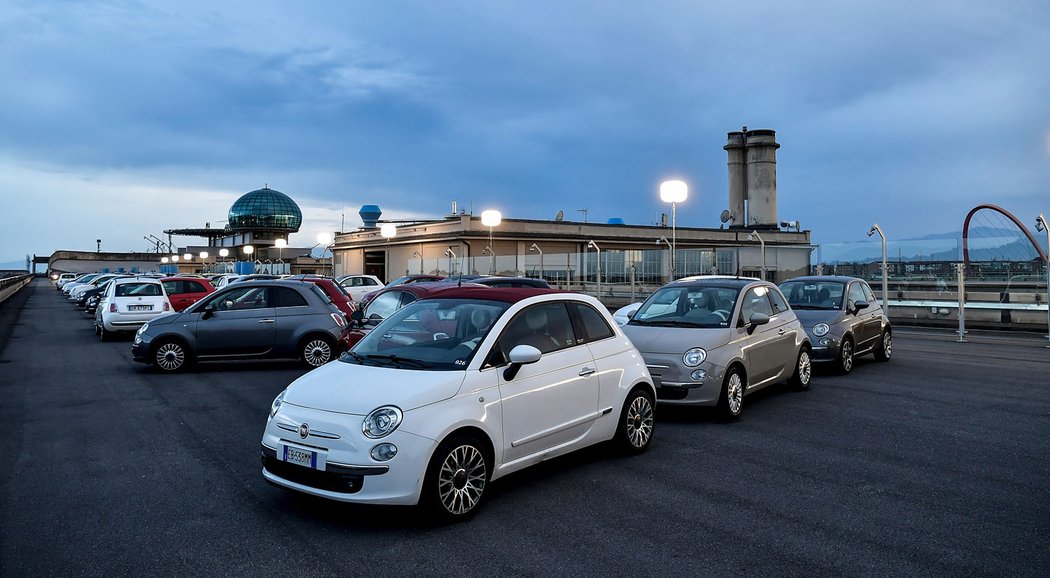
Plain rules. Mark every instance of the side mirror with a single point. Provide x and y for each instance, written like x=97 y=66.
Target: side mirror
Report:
x=756 y=320
x=860 y=305
x=209 y=311
x=519 y=356
x=358 y=317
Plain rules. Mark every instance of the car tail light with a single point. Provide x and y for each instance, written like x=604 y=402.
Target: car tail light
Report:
x=167 y=306
x=339 y=318
x=112 y=307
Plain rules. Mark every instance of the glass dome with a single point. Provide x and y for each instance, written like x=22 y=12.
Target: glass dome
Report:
x=266 y=209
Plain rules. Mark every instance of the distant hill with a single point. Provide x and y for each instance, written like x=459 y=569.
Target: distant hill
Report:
x=13 y=265
x=985 y=244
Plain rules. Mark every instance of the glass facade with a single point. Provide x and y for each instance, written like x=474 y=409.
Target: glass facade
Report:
x=265 y=209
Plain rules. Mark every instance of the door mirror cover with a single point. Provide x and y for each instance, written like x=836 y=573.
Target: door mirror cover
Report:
x=758 y=319
x=860 y=305
x=519 y=356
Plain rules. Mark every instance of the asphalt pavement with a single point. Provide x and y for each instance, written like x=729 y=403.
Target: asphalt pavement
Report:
x=935 y=463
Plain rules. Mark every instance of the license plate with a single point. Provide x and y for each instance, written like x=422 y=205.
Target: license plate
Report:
x=140 y=308
x=302 y=457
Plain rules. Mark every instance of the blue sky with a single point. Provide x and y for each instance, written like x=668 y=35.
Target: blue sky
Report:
x=120 y=119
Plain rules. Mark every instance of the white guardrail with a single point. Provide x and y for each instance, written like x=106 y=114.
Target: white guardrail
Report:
x=10 y=285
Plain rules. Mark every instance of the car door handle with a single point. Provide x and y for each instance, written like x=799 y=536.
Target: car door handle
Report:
x=781 y=332
x=266 y=321
x=586 y=371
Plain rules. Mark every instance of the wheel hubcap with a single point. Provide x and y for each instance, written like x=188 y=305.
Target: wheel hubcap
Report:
x=805 y=370
x=461 y=480
x=317 y=353
x=735 y=391
x=170 y=356
x=847 y=356
x=639 y=421
x=887 y=344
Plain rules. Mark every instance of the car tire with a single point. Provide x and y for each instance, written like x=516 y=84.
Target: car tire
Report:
x=316 y=351
x=731 y=400
x=803 y=370
x=103 y=335
x=635 y=430
x=845 y=363
x=456 y=478
x=170 y=356
x=884 y=349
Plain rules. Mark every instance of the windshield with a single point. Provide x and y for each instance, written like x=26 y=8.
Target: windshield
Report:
x=437 y=334
x=813 y=294
x=688 y=307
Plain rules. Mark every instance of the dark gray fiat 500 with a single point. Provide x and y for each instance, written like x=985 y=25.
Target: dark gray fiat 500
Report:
x=249 y=320
x=842 y=317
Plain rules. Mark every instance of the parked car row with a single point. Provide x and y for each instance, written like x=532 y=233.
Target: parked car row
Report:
x=447 y=386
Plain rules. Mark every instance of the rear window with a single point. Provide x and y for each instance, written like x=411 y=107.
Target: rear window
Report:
x=138 y=290
x=320 y=293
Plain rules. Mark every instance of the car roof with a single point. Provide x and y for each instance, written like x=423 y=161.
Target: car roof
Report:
x=811 y=278
x=182 y=278
x=122 y=280
x=481 y=292
x=714 y=281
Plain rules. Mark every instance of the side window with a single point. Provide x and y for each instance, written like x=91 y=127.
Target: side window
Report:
x=243 y=298
x=595 y=327
x=195 y=287
x=779 y=304
x=868 y=293
x=545 y=326
x=368 y=281
x=287 y=297
x=171 y=287
x=755 y=301
x=382 y=306
x=407 y=298
x=856 y=293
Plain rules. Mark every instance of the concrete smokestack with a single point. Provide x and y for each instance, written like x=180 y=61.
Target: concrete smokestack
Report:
x=737 y=177
x=760 y=158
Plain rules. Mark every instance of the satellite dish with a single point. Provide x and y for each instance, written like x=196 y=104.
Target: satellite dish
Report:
x=726 y=216
x=560 y=216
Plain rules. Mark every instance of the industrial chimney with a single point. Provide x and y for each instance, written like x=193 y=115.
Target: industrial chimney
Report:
x=752 y=178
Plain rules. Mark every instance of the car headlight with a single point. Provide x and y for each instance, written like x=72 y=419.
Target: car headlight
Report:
x=142 y=329
x=694 y=357
x=821 y=329
x=276 y=405
x=381 y=422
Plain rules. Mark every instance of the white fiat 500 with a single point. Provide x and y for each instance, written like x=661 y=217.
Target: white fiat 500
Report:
x=454 y=391
x=128 y=304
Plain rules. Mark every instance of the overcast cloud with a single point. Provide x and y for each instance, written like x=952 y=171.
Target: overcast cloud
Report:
x=121 y=119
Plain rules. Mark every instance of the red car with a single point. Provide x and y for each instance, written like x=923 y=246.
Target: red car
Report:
x=335 y=293
x=386 y=301
x=406 y=280
x=185 y=291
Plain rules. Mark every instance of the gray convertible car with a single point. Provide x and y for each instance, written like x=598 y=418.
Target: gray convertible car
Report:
x=712 y=340
x=842 y=317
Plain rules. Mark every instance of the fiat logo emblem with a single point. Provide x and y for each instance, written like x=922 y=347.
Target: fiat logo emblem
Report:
x=304 y=430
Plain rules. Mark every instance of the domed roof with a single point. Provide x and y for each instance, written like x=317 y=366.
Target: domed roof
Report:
x=266 y=209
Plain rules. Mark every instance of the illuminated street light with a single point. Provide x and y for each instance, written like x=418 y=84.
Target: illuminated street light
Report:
x=673 y=192
x=203 y=255
x=491 y=218
x=164 y=260
x=325 y=240
x=174 y=258
x=187 y=256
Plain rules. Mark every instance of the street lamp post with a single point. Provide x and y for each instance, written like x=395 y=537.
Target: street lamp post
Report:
x=668 y=243
x=417 y=255
x=223 y=253
x=388 y=231
x=451 y=257
x=248 y=250
x=536 y=248
x=885 y=270
x=754 y=235
x=599 y=258
x=324 y=240
x=1042 y=225
x=280 y=243
x=204 y=260
x=673 y=192
x=491 y=218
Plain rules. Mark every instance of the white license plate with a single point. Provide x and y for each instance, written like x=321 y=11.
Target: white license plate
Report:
x=140 y=308
x=302 y=457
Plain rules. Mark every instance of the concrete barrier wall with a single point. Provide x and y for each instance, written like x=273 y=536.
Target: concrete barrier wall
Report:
x=12 y=285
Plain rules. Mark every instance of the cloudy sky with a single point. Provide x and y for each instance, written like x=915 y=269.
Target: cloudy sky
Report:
x=120 y=119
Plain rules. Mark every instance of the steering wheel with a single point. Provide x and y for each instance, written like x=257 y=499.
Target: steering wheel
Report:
x=721 y=313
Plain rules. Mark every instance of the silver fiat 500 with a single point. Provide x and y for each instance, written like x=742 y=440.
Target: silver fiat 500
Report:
x=713 y=340
x=842 y=317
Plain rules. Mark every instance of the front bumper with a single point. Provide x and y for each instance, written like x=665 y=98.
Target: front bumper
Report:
x=346 y=471
x=675 y=384
x=824 y=348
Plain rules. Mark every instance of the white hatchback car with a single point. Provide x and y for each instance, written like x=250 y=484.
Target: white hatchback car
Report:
x=454 y=391
x=129 y=303
x=357 y=286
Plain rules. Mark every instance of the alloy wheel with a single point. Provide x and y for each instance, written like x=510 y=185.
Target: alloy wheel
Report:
x=805 y=368
x=639 y=425
x=847 y=356
x=461 y=479
x=170 y=356
x=735 y=393
x=317 y=353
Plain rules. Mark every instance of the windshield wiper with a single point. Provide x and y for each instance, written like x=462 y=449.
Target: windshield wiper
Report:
x=398 y=360
x=676 y=323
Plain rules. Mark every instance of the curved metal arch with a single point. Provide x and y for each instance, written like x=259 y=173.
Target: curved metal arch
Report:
x=1008 y=215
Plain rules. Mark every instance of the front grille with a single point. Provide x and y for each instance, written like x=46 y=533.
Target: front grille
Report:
x=332 y=482
x=672 y=393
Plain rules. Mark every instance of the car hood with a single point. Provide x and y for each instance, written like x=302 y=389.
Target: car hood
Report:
x=359 y=389
x=810 y=317
x=671 y=340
